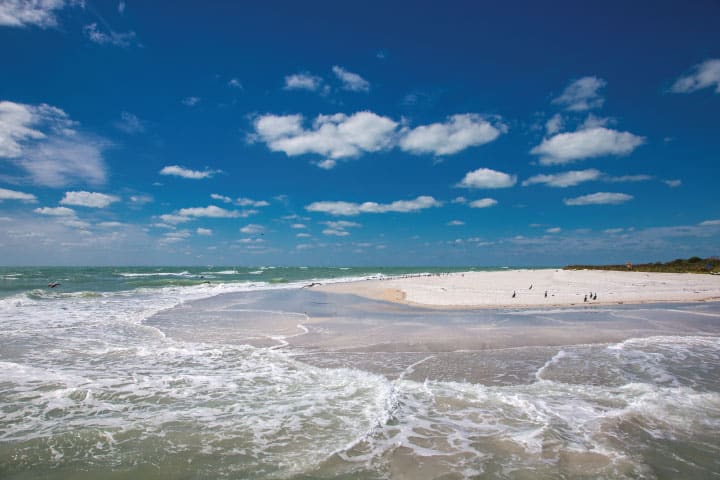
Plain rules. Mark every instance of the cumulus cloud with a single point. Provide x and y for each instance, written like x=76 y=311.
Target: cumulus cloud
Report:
x=457 y=133
x=235 y=83
x=483 y=203
x=582 y=94
x=206 y=232
x=40 y=13
x=673 y=183
x=340 y=136
x=298 y=226
x=565 y=179
x=209 y=212
x=336 y=136
x=554 y=124
x=88 y=199
x=565 y=148
x=44 y=141
x=339 y=228
x=554 y=230
x=710 y=223
x=221 y=198
x=252 y=229
x=6 y=194
x=704 y=75
x=56 y=211
x=352 y=209
x=178 y=171
x=249 y=202
x=109 y=37
x=351 y=81
x=302 y=81
x=130 y=123
x=600 y=198
x=455 y=223
x=487 y=178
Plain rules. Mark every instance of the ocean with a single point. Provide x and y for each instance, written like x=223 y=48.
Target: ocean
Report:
x=193 y=373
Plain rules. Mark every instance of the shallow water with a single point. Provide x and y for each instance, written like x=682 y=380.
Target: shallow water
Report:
x=162 y=383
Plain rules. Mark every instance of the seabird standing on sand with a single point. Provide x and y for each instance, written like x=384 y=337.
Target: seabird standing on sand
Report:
x=545 y=293
x=585 y=300
x=530 y=287
x=514 y=294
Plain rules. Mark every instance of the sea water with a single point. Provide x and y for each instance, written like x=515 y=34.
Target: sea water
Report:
x=102 y=377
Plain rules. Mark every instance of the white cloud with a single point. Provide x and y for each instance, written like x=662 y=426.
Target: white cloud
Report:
x=174 y=219
x=302 y=81
x=208 y=212
x=712 y=223
x=628 y=178
x=111 y=224
x=221 y=198
x=129 y=123
x=351 y=209
x=457 y=133
x=582 y=94
x=190 y=101
x=303 y=235
x=600 y=198
x=455 y=223
x=554 y=230
x=43 y=141
x=487 y=178
x=121 y=7
x=204 y=232
x=298 y=226
x=327 y=164
x=235 y=83
x=178 y=171
x=335 y=137
x=460 y=200
x=88 y=199
x=565 y=148
x=249 y=202
x=41 y=13
x=117 y=39
x=483 y=203
x=252 y=229
x=554 y=124
x=6 y=194
x=351 y=81
x=341 y=224
x=704 y=75
x=141 y=199
x=56 y=211
x=565 y=179
x=337 y=233
x=673 y=183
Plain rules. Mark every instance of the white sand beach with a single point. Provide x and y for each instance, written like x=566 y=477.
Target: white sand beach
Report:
x=563 y=287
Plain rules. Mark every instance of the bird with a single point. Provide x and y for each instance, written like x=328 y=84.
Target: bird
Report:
x=545 y=293
x=513 y=296
x=53 y=284
x=585 y=300
x=530 y=287
x=595 y=296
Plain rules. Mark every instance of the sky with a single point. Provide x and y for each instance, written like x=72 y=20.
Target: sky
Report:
x=381 y=133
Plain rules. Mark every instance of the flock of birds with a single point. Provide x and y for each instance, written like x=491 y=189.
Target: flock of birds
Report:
x=589 y=296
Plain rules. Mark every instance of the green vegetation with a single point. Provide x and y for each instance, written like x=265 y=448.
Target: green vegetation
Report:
x=691 y=265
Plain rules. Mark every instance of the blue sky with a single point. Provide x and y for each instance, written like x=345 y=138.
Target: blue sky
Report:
x=417 y=133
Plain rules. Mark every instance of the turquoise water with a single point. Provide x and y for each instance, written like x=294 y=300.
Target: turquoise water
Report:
x=14 y=280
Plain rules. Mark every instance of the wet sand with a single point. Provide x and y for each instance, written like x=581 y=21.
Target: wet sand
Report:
x=488 y=346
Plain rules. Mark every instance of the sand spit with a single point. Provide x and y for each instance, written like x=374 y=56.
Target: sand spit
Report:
x=535 y=288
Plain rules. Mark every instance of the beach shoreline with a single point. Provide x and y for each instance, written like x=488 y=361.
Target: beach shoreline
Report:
x=523 y=289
